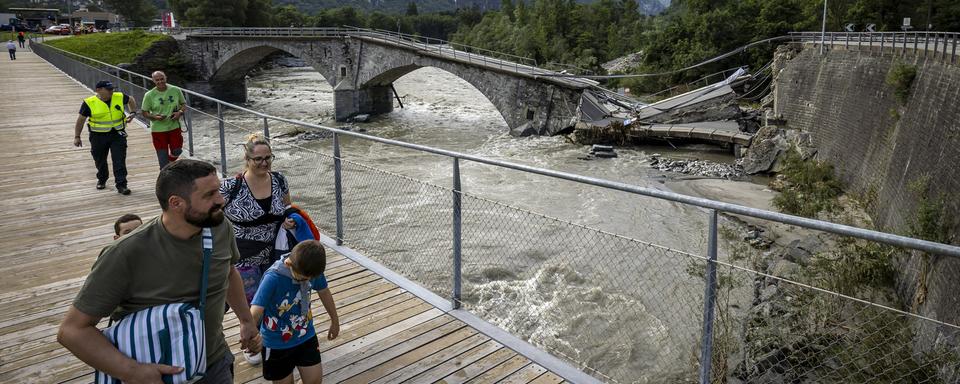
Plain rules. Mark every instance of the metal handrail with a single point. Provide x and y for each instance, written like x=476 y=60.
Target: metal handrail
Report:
x=839 y=229
x=927 y=40
x=435 y=41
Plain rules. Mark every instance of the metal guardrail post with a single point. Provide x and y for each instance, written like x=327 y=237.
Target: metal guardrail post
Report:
x=883 y=37
x=223 y=141
x=457 y=240
x=926 y=43
x=943 y=56
x=266 y=128
x=709 y=301
x=936 y=41
x=338 y=187
x=953 y=54
x=903 y=47
x=188 y=118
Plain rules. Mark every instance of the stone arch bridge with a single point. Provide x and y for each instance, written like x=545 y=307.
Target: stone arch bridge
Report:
x=361 y=66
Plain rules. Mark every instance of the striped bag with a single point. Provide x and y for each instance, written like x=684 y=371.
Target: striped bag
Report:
x=170 y=334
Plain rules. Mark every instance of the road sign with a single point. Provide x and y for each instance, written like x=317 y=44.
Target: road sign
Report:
x=906 y=24
x=849 y=27
x=870 y=27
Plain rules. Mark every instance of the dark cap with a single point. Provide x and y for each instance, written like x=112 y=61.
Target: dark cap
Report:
x=104 y=84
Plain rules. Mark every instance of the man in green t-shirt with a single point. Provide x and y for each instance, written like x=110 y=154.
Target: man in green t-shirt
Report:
x=161 y=263
x=162 y=107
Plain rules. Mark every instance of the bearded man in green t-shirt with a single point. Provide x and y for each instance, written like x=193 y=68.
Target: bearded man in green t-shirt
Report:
x=162 y=107
x=161 y=262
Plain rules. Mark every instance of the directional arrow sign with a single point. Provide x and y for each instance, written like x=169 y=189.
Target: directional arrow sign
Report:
x=849 y=27
x=870 y=27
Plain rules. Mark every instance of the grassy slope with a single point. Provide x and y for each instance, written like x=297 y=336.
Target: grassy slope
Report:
x=111 y=48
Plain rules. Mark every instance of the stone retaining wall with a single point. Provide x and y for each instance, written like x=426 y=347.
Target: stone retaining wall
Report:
x=879 y=147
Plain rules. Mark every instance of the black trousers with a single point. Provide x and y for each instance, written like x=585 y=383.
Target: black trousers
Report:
x=116 y=145
x=13 y=54
x=21 y=43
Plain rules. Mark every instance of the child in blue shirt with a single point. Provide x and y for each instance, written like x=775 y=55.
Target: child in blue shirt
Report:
x=282 y=307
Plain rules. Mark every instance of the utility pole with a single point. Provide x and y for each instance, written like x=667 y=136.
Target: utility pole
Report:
x=823 y=28
x=70 y=14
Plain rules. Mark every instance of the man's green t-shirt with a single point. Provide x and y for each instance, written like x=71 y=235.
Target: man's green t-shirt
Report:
x=163 y=103
x=150 y=267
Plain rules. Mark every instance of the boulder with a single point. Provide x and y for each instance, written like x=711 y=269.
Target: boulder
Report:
x=526 y=129
x=768 y=144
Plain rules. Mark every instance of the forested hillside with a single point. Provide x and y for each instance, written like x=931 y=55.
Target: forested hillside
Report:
x=649 y=7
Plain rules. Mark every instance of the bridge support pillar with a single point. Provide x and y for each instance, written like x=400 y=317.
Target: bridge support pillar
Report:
x=351 y=102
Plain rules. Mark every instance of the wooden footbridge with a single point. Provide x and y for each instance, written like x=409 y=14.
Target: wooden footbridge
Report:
x=55 y=223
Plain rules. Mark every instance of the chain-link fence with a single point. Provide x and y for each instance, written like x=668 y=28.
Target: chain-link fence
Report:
x=620 y=308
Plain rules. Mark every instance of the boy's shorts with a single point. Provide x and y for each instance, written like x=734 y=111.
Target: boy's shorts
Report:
x=279 y=363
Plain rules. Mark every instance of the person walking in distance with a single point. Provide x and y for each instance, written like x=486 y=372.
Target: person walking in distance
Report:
x=20 y=38
x=12 y=48
x=163 y=106
x=108 y=133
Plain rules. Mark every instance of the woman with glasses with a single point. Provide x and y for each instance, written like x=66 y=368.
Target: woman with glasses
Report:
x=255 y=202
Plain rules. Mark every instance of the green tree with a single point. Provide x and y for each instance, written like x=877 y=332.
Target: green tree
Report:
x=336 y=17
x=258 y=13
x=289 y=15
x=412 y=9
x=507 y=8
x=135 y=12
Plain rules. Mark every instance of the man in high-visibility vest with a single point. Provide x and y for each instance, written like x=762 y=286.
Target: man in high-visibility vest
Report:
x=108 y=133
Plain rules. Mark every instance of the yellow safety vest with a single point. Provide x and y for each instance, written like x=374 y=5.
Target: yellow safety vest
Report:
x=103 y=117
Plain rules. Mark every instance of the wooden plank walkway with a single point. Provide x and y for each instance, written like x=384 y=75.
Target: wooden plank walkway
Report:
x=54 y=224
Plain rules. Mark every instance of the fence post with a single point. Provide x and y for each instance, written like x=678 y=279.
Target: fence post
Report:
x=266 y=128
x=223 y=142
x=338 y=187
x=936 y=40
x=953 y=54
x=709 y=300
x=188 y=117
x=457 y=241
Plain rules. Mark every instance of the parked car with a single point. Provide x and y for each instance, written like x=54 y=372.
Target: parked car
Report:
x=58 y=30
x=16 y=28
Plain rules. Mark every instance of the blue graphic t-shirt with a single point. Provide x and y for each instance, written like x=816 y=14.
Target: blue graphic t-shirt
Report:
x=284 y=325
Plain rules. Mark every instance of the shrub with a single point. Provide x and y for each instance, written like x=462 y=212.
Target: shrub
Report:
x=812 y=187
x=901 y=77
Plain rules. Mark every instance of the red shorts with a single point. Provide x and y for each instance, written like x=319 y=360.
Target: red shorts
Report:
x=171 y=141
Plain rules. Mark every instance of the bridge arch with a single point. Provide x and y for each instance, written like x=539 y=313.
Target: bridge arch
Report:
x=234 y=62
x=391 y=75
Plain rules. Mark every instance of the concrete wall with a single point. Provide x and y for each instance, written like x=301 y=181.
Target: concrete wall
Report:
x=843 y=101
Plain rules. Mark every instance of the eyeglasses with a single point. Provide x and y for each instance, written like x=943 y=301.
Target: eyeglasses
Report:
x=258 y=160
